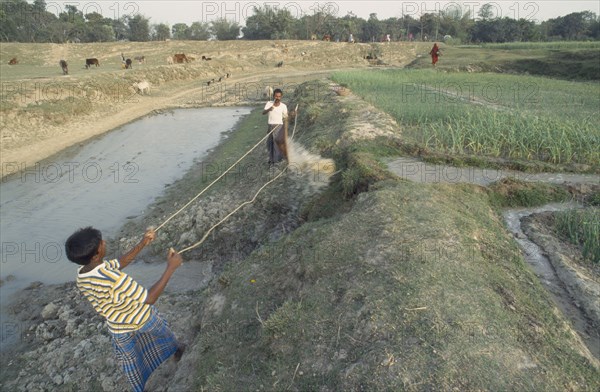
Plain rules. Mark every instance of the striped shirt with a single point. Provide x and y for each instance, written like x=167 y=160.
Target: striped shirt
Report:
x=116 y=296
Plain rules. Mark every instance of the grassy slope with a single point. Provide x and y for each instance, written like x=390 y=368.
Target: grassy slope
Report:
x=407 y=287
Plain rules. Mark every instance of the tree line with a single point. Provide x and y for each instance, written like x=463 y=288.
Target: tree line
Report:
x=21 y=21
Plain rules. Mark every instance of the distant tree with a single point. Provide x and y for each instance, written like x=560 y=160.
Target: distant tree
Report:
x=199 y=31
x=120 y=28
x=269 y=23
x=487 y=12
x=180 y=31
x=371 y=30
x=161 y=32
x=139 y=28
x=98 y=28
x=224 y=30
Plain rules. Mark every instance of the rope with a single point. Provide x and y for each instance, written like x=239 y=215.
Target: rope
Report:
x=295 y=120
x=212 y=183
x=233 y=212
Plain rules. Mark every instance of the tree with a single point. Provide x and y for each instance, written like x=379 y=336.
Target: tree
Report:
x=180 y=31
x=372 y=30
x=487 y=11
x=269 y=23
x=224 y=30
x=139 y=28
x=161 y=32
x=199 y=31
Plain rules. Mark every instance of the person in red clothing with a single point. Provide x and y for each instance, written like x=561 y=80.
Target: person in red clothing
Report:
x=435 y=53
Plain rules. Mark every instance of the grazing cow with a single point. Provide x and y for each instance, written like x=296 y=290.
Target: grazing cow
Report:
x=140 y=59
x=142 y=87
x=327 y=37
x=280 y=64
x=268 y=93
x=13 y=61
x=90 y=62
x=170 y=60
x=65 y=67
x=180 y=58
x=128 y=64
x=313 y=37
x=207 y=58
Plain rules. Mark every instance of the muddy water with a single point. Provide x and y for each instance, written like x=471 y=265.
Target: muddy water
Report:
x=545 y=272
x=102 y=183
x=421 y=172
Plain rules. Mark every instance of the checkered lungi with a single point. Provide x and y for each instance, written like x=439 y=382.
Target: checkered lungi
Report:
x=142 y=351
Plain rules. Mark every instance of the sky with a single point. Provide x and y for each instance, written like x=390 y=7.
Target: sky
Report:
x=188 y=11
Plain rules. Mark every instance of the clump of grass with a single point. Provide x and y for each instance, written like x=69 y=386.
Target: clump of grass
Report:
x=582 y=228
x=510 y=192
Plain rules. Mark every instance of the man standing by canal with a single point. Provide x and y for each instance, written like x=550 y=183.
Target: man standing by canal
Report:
x=277 y=140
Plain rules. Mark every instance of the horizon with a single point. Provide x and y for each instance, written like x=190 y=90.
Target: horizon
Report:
x=188 y=11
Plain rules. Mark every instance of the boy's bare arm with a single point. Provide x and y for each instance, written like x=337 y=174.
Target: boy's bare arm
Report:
x=174 y=260
x=128 y=257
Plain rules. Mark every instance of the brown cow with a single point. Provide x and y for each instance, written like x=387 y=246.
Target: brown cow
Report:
x=65 y=68
x=180 y=58
x=90 y=62
x=13 y=61
x=327 y=37
x=128 y=64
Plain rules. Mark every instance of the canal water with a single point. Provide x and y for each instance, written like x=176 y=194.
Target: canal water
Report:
x=103 y=183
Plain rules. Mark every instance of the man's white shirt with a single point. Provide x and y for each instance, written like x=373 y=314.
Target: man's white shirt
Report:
x=278 y=113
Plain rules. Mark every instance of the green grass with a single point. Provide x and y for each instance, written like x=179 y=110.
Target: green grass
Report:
x=402 y=287
x=507 y=116
x=544 y=45
x=582 y=228
x=562 y=60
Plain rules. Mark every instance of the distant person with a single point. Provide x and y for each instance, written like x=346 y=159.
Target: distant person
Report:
x=388 y=38
x=277 y=140
x=351 y=38
x=435 y=53
x=141 y=338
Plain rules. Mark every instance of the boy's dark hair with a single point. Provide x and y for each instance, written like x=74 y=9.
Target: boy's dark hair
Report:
x=277 y=90
x=82 y=245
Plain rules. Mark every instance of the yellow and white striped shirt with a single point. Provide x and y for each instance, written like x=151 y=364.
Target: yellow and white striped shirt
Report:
x=116 y=296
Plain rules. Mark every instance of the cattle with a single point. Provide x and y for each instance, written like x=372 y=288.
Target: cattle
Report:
x=180 y=58
x=268 y=93
x=90 y=62
x=170 y=60
x=142 y=87
x=65 y=67
x=313 y=37
x=128 y=64
x=327 y=37
x=280 y=64
x=13 y=61
x=140 y=59
x=207 y=58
